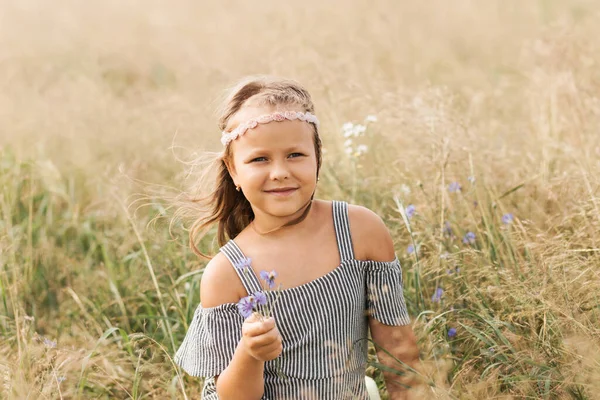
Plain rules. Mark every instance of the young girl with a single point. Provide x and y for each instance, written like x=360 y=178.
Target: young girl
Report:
x=335 y=264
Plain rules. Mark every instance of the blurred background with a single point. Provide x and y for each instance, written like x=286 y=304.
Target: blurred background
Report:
x=478 y=121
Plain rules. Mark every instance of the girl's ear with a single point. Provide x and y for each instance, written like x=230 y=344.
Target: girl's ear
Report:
x=231 y=169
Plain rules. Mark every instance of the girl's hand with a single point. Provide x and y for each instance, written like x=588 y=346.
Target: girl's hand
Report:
x=261 y=338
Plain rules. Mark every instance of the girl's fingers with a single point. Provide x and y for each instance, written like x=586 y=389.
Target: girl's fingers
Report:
x=258 y=327
x=267 y=339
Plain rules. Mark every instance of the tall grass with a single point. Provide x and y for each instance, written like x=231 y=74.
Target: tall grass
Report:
x=497 y=97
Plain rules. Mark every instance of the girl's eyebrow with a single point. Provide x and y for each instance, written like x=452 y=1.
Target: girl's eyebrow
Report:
x=261 y=151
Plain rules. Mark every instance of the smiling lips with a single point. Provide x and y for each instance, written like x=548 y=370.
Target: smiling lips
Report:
x=282 y=191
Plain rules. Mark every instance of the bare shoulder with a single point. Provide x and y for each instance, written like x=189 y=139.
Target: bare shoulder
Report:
x=220 y=283
x=370 y=235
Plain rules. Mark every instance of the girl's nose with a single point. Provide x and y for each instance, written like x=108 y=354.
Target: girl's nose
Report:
x=279 y=171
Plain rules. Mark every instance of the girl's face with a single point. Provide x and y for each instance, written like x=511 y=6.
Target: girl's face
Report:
x=274 y=164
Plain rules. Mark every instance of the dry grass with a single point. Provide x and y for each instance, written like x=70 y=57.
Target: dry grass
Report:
x=95 y=93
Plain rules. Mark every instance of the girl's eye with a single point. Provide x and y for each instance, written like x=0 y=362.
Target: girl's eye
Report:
x=294 y=155
x=258 y=159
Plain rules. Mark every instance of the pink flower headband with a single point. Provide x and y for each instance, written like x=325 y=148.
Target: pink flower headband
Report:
x=278 y=116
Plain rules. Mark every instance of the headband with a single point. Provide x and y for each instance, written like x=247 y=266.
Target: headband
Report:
x=227 y=137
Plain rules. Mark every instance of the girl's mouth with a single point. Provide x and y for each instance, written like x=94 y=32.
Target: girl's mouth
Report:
x=282 y=191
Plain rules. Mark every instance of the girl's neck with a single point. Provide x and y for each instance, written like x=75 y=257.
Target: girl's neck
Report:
x=265 y=225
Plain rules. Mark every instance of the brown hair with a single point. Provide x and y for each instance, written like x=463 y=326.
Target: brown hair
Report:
x=225 y=206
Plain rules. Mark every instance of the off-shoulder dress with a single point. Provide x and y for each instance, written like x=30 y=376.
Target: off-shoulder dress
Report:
x=323 y=323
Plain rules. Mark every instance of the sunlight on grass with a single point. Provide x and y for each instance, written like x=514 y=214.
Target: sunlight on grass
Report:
x=470 y=127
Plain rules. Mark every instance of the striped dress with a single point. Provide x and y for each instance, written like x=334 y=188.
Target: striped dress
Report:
x=323 y=324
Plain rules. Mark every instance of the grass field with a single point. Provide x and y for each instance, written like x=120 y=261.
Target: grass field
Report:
x=486 y=134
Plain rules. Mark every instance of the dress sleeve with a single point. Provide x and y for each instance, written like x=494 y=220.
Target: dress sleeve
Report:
x=211 y=340
x=385 y=297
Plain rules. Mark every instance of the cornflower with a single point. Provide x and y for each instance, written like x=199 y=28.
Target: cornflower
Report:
x=451 y=332
x=454 y=187
x=469 y=238
x=244 y=264
x=251 y=303
x=507 y=219
x=269 y=278
x=410 y=211
x=437 y=296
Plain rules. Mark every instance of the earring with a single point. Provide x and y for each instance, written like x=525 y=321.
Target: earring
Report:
x=237 y=187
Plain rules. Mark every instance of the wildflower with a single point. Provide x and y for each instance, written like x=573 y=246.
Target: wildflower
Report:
x=246 y=306
x=469 y=238
x=405 y=188
x=361 y=149
x=507 y=219
x=371 y=118
x=410 y=211
x=451 y=332
x=410 y=249
x=437 y=296
x=348 y=143
x=471 y=179
x=243 y=264
x=269 y=278
x=348 y=150
x=261 y=298
x=49 y=343
x=61 y=379
x=359 y=130
x=444 y=255
x=454 y=187
x=347 y=129
x=447 y=228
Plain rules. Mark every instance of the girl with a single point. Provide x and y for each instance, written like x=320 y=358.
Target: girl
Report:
x=335 y=264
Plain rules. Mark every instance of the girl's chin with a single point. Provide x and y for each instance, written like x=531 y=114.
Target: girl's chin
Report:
x=284 y=208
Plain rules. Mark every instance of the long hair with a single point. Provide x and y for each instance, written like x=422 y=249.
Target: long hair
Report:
x=224 y=205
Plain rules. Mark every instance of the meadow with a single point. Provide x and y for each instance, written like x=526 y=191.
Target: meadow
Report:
x=471 y=127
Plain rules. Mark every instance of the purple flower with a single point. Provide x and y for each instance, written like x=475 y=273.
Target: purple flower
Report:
x=507 y=219
x=246 y=306
x=269 y=277
x=451 y=332
x=447 y=228
x=261 y=298
x=49 y=343
x=410 y=249
x=469 y=238
x=454 y=187
x=437 y=296
x=243 y=264
x=410 y=211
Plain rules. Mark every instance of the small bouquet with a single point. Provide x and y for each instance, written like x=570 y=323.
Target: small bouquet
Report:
x=258 y=302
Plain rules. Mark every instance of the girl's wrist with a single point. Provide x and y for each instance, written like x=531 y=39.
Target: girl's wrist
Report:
x=248 y=358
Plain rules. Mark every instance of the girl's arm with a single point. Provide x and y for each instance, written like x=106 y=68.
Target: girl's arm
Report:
x=401 y=344
x=244 y=376
x=373 y=241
